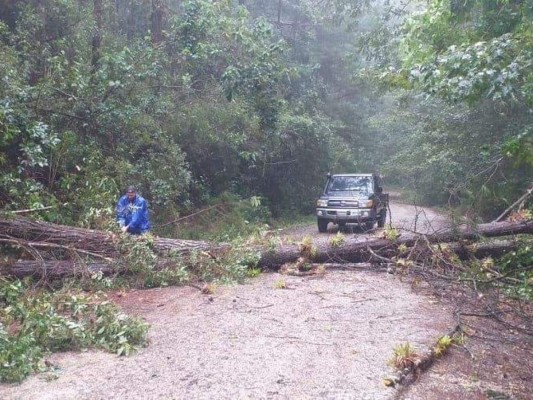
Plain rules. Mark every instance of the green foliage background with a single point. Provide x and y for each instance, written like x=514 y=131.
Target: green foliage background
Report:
x=194 y=100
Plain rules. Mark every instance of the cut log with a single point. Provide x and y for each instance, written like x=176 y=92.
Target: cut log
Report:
x=99 y=243
x=358 y=251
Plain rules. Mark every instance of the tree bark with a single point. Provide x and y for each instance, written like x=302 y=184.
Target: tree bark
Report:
x=58 y=269
x=157 y=18
x=97 y=36
x=54 y=269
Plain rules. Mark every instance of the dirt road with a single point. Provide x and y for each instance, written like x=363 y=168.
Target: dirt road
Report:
x=319 y=338
x=403 y=217
x=327 y=337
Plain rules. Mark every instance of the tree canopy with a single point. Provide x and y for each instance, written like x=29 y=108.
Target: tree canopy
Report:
x=192 y=100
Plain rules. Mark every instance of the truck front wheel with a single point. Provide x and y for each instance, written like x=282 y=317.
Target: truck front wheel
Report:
x=323 y=225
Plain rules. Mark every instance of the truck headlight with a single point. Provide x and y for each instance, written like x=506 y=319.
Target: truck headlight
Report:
x=367 y=204
x=321 y=203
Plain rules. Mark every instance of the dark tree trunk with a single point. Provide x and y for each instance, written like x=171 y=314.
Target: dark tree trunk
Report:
x=97 y=35
x=58 y=269
x=50 y=270
x=158 y=16
x=358 y=252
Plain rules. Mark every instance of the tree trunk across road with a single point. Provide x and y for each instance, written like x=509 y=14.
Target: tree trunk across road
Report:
x=355 y=251
x=415 y=225
x=98 y=243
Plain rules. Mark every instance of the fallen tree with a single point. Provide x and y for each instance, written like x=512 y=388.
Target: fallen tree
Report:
x=91 y=251
x=55 y=269
x=99 y=244
x=58 y=269
x=362 y=251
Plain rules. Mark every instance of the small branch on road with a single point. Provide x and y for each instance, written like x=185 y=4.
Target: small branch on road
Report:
x=347 y=266
x=422 y=363
x=384 y=259
x=296 y=338
x=259 y=307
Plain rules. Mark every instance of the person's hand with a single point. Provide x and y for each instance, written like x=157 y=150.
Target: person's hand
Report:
x=124 y=229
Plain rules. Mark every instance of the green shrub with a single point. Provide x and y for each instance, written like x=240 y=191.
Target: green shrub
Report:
x=36 y=322
x=226 y=218
x=518 y=265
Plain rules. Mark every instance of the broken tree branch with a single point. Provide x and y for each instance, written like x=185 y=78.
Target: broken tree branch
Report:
x=517 y=202
x=28 y=210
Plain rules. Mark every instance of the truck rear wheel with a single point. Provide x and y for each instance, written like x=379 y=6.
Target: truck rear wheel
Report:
x=323 y=225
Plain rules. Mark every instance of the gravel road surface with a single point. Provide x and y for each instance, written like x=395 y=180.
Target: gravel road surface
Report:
x=327 y=337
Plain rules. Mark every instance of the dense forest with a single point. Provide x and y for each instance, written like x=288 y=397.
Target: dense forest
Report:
x=252 y=102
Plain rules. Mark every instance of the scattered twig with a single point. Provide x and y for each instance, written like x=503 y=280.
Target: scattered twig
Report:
x=293 y=338
x=384 y=259
x=347 y=266
x=260 y=307
x=462 y=346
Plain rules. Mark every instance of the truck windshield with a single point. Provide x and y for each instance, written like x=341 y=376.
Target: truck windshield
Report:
x=349 y=183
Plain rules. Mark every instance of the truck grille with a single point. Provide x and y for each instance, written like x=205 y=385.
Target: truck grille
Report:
x=343 y=203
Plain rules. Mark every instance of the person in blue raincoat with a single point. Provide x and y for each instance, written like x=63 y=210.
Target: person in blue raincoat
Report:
x=132 y=213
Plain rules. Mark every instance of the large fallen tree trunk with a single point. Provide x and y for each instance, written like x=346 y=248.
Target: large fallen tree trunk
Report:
x=104 y=246
x=58 y=269
x=91 y=242
x=359 y=251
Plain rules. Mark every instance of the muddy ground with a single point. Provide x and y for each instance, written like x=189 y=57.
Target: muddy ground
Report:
x=327 y=336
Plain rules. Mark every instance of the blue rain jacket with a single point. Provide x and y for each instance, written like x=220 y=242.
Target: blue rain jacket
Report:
x=133 y=214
